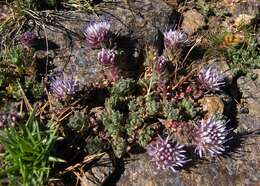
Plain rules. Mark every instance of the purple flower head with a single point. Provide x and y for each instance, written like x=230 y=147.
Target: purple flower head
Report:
x=8 y=117
x=63 y=86
x=174 y=38
x=107 y=57
x=97 y=33
x=167 y=155
x=210 y=136
x=210 y=78
x=162 y=64
x=254 y=3
x=28 y=39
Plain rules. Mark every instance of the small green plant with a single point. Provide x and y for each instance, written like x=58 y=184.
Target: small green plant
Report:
x=126 y=114
x=183 y=110
x=123 y=88
x=114 y=126
x=145 y=136
x=171 y=112
x=188 y=107
x=95 y=145
x=14 y=57
x=34 y=88
x=77 y=121
x=203 y=6
x=244 y=58
x=240 y=49
x=152 y=106
x=18 y=71
x=27 y=159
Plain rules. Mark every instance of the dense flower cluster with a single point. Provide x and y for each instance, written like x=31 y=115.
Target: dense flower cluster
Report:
x=97 y=33
x=8 y=117
x=28 y=39
x=63 y=86
x=173 y=38
x=253 y=3
x=167 y=155
x=211 y=79
x=162 y=64
x=107 y=57
x=210 y=136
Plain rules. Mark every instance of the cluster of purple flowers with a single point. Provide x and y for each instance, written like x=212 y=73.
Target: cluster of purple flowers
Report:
x=166 y=154
x=28 y=39
x=254 y=3
x=174 y=38
x=211 y=79
x=107 y=57
x=210 y=136
x=64 y=86
x=162 y=64
x=97 y=33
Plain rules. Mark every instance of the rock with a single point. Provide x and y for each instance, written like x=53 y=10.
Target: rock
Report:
x=250 y=91
x=134 y=27
x=192 y=21
x=212 y=105
x=142 y=172
x=98 y=173
x=225 y=69
x=173 y=3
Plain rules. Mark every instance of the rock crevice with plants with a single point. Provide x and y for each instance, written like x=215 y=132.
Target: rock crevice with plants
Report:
x=129 y=92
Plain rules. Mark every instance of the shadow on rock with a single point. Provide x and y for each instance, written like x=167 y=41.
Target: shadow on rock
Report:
x=43 y=66
x=42 y=44
x=119 y=168
x=237 y=141
x=133 y=56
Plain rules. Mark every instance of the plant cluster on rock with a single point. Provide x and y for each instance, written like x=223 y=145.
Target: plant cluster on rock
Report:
x=169 y=105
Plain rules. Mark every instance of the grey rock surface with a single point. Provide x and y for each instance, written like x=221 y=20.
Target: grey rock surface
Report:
x=97 y=174
x=251 y=94
x=192 y=21
x=133 y=25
